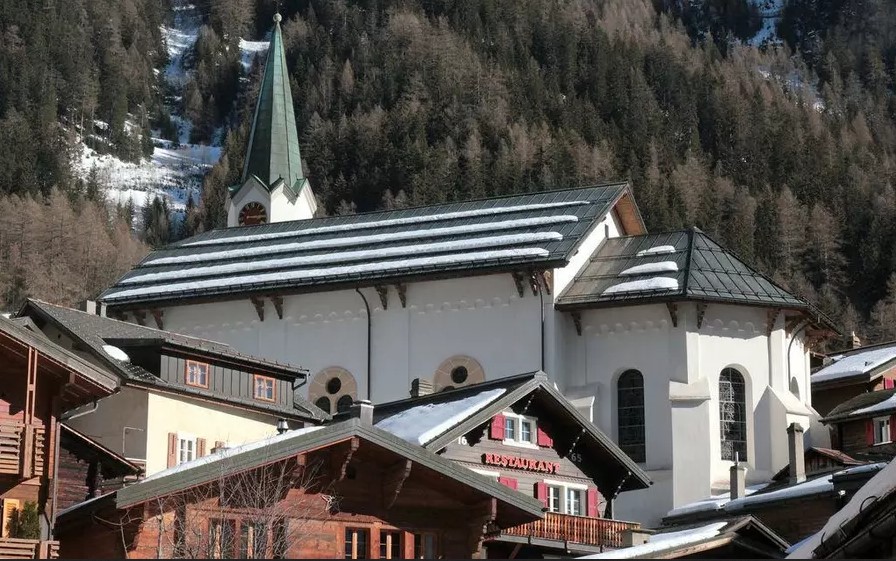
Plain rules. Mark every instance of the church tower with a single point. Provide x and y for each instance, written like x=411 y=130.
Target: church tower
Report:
x=273 y=187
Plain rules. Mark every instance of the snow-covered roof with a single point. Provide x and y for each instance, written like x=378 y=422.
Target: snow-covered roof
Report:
x=424 y=422
x=664 y=541
x=865 y=404
x=116 y=353
x=540 y=229
x=888 y=404
x=878 y=487
x=643 y=285
x=713 y=503
x=855 y=364
x=647 y=268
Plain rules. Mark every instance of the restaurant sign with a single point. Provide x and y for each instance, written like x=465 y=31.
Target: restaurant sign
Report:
x=516 y=462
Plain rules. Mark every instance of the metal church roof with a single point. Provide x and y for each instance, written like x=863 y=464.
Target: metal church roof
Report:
x=534 y=230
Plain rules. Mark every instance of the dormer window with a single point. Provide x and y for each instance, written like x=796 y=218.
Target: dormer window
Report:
x=519 y=430
x=882 y=430
x=265 y=388
x=196 y=374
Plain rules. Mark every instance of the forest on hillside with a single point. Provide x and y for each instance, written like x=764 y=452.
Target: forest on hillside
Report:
x=784 y=153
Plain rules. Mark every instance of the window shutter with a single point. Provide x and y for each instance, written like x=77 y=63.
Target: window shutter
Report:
x=541 y=493
x=869 y=432
x=172 y=449
x=10 y=506
x=544 y=439
x=509 y=482
x=200 y=447
x=888 y=384
x=591 y=507
x=497 y=429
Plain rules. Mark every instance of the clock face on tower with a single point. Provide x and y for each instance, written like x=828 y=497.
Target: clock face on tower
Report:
x=253 y=213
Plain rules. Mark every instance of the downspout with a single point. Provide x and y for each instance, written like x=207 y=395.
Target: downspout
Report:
x=541 y=297
x=367 y=306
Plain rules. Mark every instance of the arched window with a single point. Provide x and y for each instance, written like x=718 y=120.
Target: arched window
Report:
x=457 y=372
x=795 y=387
x=630 y=414
x=333 y=389
x=733 y=414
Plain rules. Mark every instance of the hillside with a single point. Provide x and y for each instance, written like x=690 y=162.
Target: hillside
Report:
x=770 y=124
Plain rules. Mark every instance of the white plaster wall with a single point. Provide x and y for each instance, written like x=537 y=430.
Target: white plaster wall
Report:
x=609 y=227
x=168 y=413
x=251 y=192
x=127 y=408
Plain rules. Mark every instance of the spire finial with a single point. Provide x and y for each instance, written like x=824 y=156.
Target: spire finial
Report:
x=277 y=17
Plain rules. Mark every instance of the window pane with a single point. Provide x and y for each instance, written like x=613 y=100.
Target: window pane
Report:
x=574 y=502
x=510 y=429
x=526 y=431
x=732 y=415
x=356 y=541
x=630 y=414
x=554 y=498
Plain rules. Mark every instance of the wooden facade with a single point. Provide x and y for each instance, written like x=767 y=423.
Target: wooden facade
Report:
x=88 y=469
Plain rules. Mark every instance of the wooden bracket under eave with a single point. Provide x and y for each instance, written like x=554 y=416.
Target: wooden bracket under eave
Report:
x=701 y=311
x=518 y=280
x=545 y=278
x=402 y=288
x=157 y=315
x=673 y=312
x=341 y=461
x=771 y=318
x=383 y=292
x=140 y=317
x=533 y=283
x=393 y=481
x=278 y=305
x=790 y=324
x=577 y=320
x=259 y=306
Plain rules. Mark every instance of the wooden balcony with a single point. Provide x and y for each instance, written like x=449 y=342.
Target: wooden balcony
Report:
x=11 y=548
x=22 y=449
x=596 y=532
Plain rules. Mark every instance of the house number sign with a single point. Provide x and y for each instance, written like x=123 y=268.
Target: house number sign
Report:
x=528 y=464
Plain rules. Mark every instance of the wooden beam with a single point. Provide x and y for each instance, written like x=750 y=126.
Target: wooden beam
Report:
x=515 y=551
x=480 y=518
x=30 y=398
x=383 y=292
x=402 y=288
x=673 y=312
x=518 y=281
x=140 y=316
x=544 y=278
x=259 y=306
x=278 y=305
x=533 y=283
x=771 y=317
x=393 y=481
x=577 y=320
x=701 y=311
x=341 y=460
x=157 y=315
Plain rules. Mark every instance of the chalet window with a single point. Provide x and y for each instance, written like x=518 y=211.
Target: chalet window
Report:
x=566 y=498
x=555 y=494
x=186 y=448
x=732 y=415
x=357 y=541
x=630 y=414
x=196 y=374
x=265 y=388
x=426 y=546
x=881 y=430
x=519 y=430
x=574 y=501
x=390 y=545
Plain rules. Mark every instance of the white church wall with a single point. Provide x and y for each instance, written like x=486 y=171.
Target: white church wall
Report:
x=251 y=192
x=609 y=227
x=284 y=210
x=646 y=506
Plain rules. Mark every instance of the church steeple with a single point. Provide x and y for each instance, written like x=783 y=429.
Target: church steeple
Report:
x=273 y=162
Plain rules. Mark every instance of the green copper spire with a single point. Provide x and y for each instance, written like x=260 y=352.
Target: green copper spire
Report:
x=274 y=143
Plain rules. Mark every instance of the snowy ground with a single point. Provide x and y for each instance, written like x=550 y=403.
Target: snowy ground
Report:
x=771 y=14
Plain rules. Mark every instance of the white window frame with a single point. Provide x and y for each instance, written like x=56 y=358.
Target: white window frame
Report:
x=881 y=425
x=565 y=487
x=517 y=420
x=186 y=437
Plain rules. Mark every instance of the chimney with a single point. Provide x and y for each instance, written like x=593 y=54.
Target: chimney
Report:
x=797 y=453
x=363 y=410
x=635 y=536
x=421 y=387
x=738 y=479
x=89 y=306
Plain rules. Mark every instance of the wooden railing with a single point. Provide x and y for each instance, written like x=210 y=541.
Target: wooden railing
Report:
x=11 y=548
x=574 y=529
x=14 y=439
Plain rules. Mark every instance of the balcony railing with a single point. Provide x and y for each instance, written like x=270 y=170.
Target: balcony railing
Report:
x=574 y=529
x=20 y=442
x=11 y=548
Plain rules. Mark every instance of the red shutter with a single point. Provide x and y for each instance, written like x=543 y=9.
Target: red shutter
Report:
x=591 y=509
x=509 y=482
x=888 y=384
x=869 y=432
x=172 y=449
x=544 y=439
x=497 y=430
x=200 y=447
x=541 y=493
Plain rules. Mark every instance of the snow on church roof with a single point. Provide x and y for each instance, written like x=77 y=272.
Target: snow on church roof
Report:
x=540 y=229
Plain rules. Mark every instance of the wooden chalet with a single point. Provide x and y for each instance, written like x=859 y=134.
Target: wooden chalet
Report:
x=521 y=432
x=40 y=382
x=865 y=425
x=847 y=374
x=346 y=490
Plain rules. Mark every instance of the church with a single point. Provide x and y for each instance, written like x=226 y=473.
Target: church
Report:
x=684 y=354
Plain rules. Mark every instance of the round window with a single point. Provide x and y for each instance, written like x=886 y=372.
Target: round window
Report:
x=344 y=403
x=459 y=375
x=323 y=403
x=334 y=385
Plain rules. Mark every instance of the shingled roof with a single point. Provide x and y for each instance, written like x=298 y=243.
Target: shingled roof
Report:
x=683 y=265
x=497 y=234
x=869 y=404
